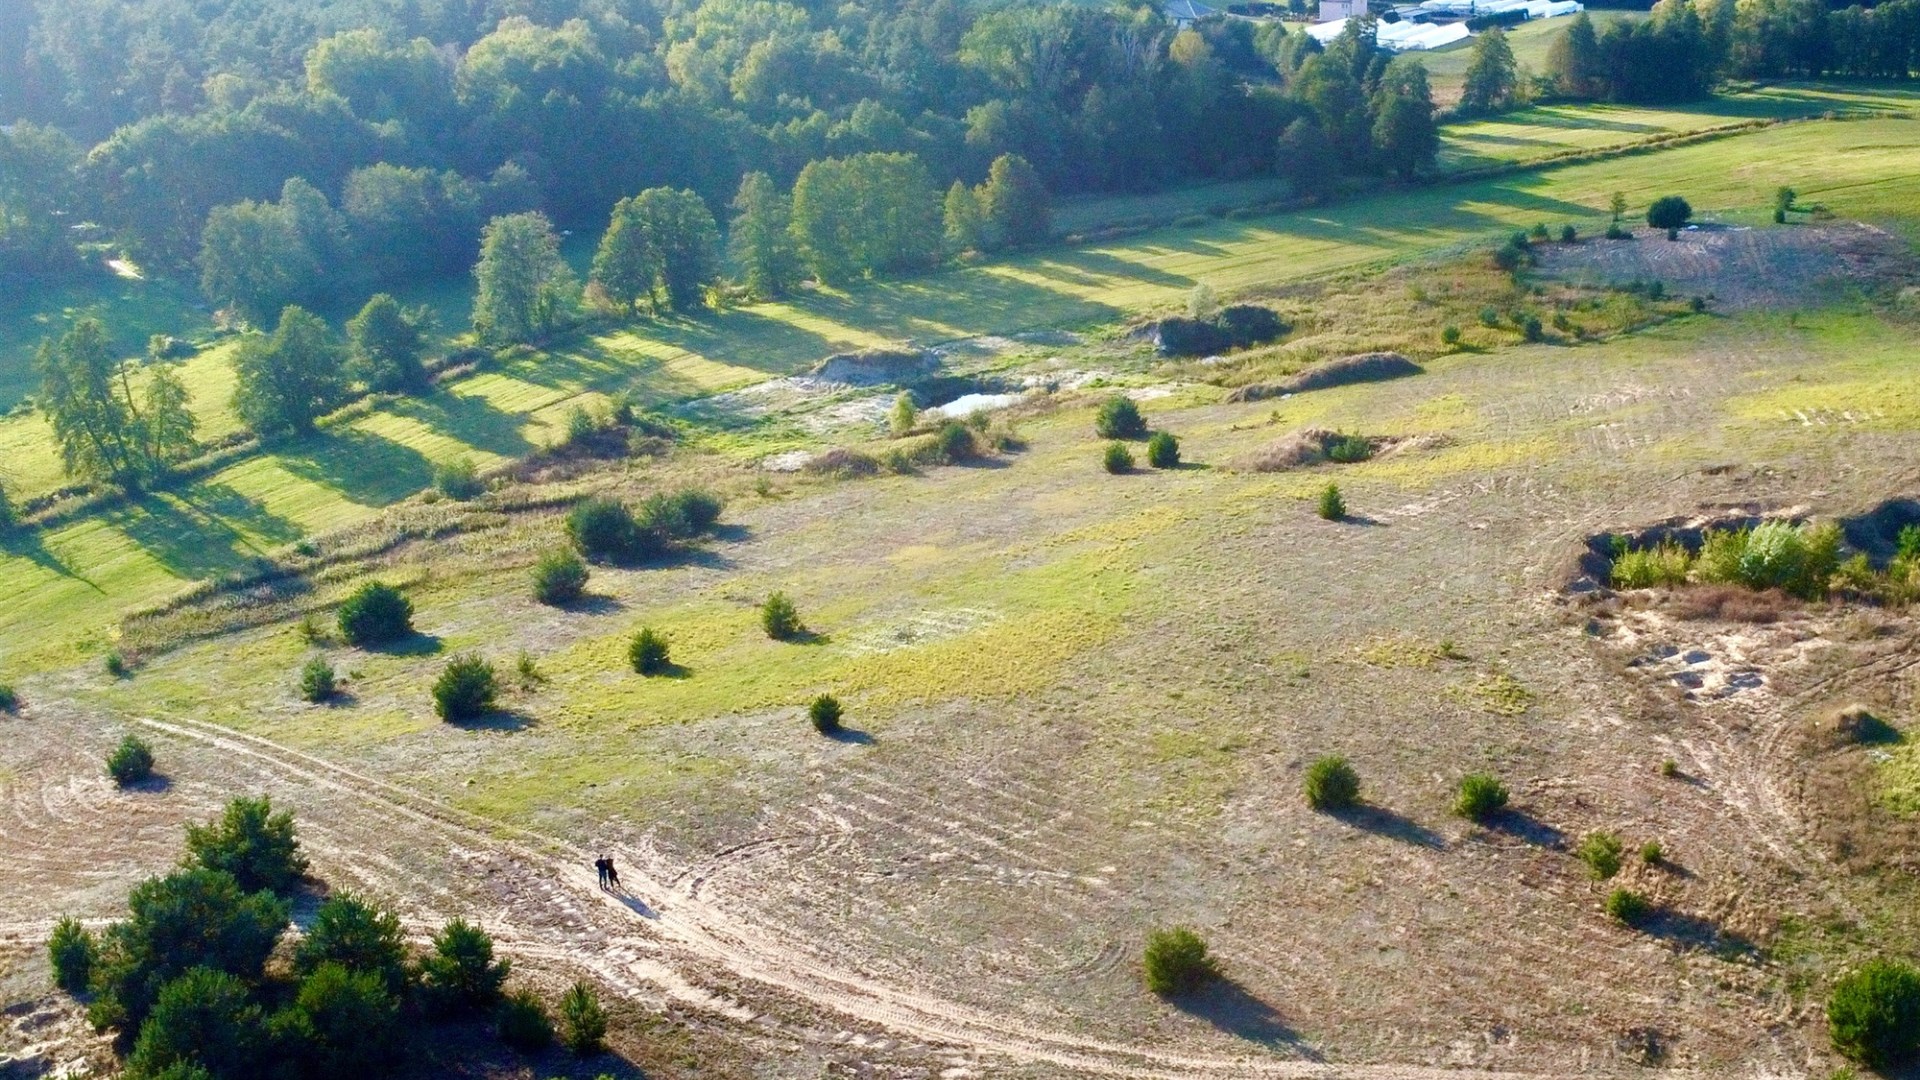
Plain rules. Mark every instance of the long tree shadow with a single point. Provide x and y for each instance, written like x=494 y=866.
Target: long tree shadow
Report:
x=361 y=467
x=497 y=720
x=469 y=419
x=1683 y=930
x=31 y=546
x=1231 y=1008
x=241 y=514
x=1391 y=824
x=188 y=545
x=1524 y=826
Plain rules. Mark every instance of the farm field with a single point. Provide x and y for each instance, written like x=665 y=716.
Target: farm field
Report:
x=78 y=577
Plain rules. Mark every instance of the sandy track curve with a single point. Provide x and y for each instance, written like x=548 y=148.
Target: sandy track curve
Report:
x=677 y=919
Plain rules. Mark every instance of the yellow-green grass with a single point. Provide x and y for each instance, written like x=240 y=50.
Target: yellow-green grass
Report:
x=70 y=582
x=1544 y=131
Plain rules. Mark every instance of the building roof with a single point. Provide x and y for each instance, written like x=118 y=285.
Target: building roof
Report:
x=1187 y=10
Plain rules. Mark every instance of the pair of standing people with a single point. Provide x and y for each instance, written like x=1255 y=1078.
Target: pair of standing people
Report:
x=609 y=877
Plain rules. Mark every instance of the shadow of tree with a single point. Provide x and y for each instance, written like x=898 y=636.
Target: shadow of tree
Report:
x=469 y=419
x=1231 y=1008
x=1524 y=826
x=361 y=467
x=850 y=736
x=1391 y=824
x=414 y=644
x=498 y=720
x=31 y=546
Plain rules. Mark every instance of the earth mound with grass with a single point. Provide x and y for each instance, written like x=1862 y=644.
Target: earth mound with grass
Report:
x=1364 y=367
x=871 y=367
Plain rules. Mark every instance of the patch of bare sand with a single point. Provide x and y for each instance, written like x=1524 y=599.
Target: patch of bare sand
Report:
x=1738 y=267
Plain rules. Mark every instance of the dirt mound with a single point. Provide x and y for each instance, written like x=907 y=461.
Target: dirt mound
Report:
x=1317 y=445
x=1365 y=367
x=1593 y=568
x=1739 y=267
x=870 y=366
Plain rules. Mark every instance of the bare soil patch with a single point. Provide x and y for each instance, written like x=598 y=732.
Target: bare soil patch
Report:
x=1738 y=267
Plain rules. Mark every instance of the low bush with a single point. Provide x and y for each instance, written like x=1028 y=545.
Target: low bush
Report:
x=466 y=689
x=1665 y=563
x=903 y=416
x=131 y=762
x=1652 y=853
x=1331 y=506
x=605 y=530
x=1627 y=907
x=1531 y=329
x=317 y=681
x=560 y=577
x=521 y=1021
x=647 y=652
x=460 y=974
x=1479 y=797
x=583 y=1023
x=1332 y=784
x=1348 y=449
x=1117 y=458
x=1119 y=418
x=116 y=664
x=1450 y=336
x=1568 y=234
x=375 y=614
x=1163 y=451
x=1489 y=317
x=9 y=699
x=683 y=515
x=1601 y=852
x=71 y=951
x=1873 y=1014
x=956 y=442
x=1176 y=962
x=458 y=480
x=251 y=844
x=779 y=618
x=1538 y=232
x=824 y=711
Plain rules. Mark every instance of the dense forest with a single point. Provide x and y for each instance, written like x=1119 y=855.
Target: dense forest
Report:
x=352 y=143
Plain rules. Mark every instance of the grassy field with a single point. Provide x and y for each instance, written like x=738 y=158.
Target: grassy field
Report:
x=1447 y=68
x=73 y=580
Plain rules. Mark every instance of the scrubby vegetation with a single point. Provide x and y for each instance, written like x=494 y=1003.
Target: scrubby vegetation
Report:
x=824 y=713
x=1116 y=458
x=1479 y=797
x=458 y=480
x=1331 y=505
x=1163 y=450
x=1873 y=1013
x=1601 y=852
x=1800 y=560
x=780 y=618
x=465 y=689
x=9 y=699
x=583 y=1023
x=609 y=531
x=131 y=762
x=647 y=652
x=1119 y=417
x=521 y=1021
x=71 y=952
x=1627 y=907
x=316 y=680
x=559 y=578
x=252 y=845
x=376 y=614
x=1176 y=961
x=1331 y=784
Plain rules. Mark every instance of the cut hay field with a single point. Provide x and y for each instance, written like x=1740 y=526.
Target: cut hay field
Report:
x=69 y=583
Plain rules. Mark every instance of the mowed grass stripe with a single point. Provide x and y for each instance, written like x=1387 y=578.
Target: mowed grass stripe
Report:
x=1860 y=169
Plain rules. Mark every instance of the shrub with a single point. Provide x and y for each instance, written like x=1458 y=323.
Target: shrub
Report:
x=1480 y=796
x=1202 y=303
x=1119 y=418
x=1331 y=505
x=190 y=918
x=1348 y=449
x=779 y=618
x=351 y=932
x=1538 y=232
x=1873 y=1015
x=465 y=689
x=316 y=680
x=347 y=1023
x=954 y=443
x=901 y=419
x=1669 y=768
x=1627 y=907
x=583 y=1023
x=1489 y=316
x=458 y=480
x=117 y=664
x=460 y=975
x=254 y=845
x=1664 y=564
x=1510 y=256
x=1178 y=336
x=1332 y=784
x=1163 y=450
x=9 y=699
x=560 y=577
x=375 y=614
x=683 y=515
x=1117 y=458
x=1696 y=304
x=131 y=762
x=1601 y=852
x=1568 y=234
x=1176 y=961
x=604 y=529
x=71 y=951
x=1531 y=329
x=1450 y=336
x=1799 y=560
x=581 y=426
x=527 y=670
x=204 y=1017
x=825 y=713
x=1251 y=324
x=1652 y=853
x=1669 y=212
x=521 y=1021
x=647 y=652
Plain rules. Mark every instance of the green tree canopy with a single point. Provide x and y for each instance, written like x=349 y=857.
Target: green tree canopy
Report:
x=864 y=214
x=252 y=843
x=190 y=918
x=290 y=378
x=385 y=344
x=104 y=429
x=662 y=245
x=1493 y=78
x=1015 y=203
x=1405 y=138
x=526 y=290
x=760 y=241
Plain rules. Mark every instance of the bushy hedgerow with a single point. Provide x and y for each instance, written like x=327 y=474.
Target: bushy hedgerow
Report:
x=1601 y=852
x=375 y=614
x=1163 y=451
x=466 y=689
x=1873 y=1014
x=559 y=578
x=1332 y=784
x=1800 y=560
x=1117 y=458
x=824 y=711
x=1480 y=796
x=1119 y=418
x=131 y=762
x=1176 y=961
x=317 y=680
x=779 y=618
x=647 y=652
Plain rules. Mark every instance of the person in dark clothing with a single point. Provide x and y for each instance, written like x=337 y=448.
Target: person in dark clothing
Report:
x=613 y=876
x=604 y=867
